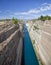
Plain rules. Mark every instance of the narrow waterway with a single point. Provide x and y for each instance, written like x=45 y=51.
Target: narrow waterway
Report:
x=28 y=51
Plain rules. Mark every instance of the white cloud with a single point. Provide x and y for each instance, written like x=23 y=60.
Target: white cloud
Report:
x=44 y=7
x=27 y=13
x=33 y=13
x=44 y=4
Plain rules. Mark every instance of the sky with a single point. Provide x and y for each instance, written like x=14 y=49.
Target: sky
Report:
x=24 y=9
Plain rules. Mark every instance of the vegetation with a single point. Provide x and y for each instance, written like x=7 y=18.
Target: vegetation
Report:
x=43 y=18
x=15 y=21
x=5 y=20
x=36 y=27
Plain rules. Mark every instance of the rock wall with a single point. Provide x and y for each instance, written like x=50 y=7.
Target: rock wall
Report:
x=9 y=46
x=6 y=33
x=45 y=45
x=41 y=39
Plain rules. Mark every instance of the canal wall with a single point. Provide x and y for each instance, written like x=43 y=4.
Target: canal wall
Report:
x=4 y=34
x=34 y=39
x=10 y=46
x=41 y=40
x=45 y=45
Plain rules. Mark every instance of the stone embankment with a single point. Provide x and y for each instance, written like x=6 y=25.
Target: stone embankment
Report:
x=10 y=46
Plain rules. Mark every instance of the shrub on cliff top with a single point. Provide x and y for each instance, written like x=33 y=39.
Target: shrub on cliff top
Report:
x=15 y=21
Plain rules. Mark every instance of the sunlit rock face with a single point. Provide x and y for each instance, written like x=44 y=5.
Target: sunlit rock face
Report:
x=45 y=44
x=42 y=38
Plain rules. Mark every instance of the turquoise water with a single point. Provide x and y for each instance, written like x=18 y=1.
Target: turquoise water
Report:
x=28 y=51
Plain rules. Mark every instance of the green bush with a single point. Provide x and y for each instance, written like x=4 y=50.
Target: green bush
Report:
x=43 y=18
x=15 y=21
x=35 y=27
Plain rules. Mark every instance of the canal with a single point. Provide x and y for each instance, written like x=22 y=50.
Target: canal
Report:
x=29 y=57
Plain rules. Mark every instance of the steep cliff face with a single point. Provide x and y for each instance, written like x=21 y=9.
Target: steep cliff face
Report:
x=41 y=40
x=9 y=43
x=45 y=45
x=6 y=33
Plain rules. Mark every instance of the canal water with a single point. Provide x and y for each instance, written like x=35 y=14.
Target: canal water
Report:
x=28 y=51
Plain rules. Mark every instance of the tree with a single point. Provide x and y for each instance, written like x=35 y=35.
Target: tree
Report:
x=43 y=18
x=15 y=21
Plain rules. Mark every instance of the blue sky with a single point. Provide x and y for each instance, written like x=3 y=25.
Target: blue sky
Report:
x=24 y=9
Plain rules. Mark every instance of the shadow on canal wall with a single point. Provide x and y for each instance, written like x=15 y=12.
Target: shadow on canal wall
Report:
x=22 y=60
x=9 y=43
